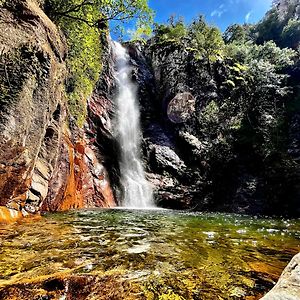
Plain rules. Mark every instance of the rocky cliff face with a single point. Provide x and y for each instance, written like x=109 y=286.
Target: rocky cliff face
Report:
x=193 y=158
x=191 y=163
x=46 y=162
x=168 y=107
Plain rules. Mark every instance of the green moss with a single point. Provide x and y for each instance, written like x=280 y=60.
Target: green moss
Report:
x=83 y=62
x=15 y=68
x=210 y=113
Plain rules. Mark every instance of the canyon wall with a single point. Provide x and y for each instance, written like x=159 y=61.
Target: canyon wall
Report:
x=201 y=151
x=47 y=162
x=199 y=148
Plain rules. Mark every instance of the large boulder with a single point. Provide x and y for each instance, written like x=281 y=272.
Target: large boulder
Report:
x=288 y=286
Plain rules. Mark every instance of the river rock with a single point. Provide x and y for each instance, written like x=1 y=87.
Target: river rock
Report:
x=288 y=285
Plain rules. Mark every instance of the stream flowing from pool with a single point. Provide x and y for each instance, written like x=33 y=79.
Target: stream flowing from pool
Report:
x=137 y=192
x=160 y=254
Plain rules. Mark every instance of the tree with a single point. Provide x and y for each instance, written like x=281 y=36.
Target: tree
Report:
x=234 y=33
x=96 y=13
x=142 y=34
x=207 y=40
x=174 y=31
x=269 y=52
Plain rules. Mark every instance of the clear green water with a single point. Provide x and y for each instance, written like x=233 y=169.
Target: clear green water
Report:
x=164 y=254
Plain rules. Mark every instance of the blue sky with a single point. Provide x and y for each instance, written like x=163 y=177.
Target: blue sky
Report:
x=221 y=13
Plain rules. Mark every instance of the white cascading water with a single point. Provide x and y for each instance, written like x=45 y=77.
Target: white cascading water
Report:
x=137 y=191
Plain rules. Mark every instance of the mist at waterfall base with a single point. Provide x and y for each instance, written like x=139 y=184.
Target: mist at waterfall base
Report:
x=137 y=192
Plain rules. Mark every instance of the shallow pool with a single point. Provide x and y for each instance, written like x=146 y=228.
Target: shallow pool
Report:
x=159 y=254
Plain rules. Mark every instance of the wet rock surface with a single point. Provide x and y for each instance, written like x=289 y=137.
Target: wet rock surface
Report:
x=74 y=287
x=32 y=102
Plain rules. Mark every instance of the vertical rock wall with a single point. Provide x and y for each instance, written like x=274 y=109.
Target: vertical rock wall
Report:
x=46 y=162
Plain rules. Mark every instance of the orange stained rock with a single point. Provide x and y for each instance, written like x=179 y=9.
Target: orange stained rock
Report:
x=83 y=183
x=15 y=175
x=9 y=215
x=80 y=147
x=253 y=297
x=73 y=197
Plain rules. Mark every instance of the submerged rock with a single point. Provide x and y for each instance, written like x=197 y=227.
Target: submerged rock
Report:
x=72 y=287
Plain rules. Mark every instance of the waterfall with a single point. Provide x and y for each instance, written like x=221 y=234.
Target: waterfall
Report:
x=137 y=192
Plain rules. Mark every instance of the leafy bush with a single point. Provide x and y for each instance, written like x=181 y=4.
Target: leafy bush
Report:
x=83 y=22
x=175 y=31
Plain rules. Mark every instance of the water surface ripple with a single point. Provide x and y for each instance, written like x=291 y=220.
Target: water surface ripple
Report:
x=177 y=254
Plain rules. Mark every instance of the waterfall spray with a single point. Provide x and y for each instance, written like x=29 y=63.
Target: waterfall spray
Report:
x=137 y=191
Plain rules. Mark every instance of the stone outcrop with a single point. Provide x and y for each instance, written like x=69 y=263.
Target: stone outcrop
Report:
x=32 y=103
x=45 y=162
x=48 y=163
x=185 y=157
x=288 y=286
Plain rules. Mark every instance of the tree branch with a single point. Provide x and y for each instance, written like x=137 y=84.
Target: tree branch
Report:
x=79 y=19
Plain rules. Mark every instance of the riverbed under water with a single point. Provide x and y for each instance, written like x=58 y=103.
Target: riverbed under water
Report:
x=155 y=254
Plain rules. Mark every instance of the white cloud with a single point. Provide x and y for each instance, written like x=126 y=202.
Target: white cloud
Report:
x=130 y=32
x=219 y=12
x=248 y=15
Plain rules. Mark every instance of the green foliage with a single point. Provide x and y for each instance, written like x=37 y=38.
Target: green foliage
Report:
x=83 y=61
x=237 y=33
x=280 y=58
x=251 y=107
x=175 y=31
x=83 y=22
x=269 y=28
x=142 y=34
x=207 y=40
x=96 y=13
x=281 y=26
x=210 y=113
x=269 y=52
x=204 y=41
x=238 y=52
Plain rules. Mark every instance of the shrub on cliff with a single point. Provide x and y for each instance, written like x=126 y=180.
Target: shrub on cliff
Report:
x=83 y=23
x=173 y=32
x=206 y=40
